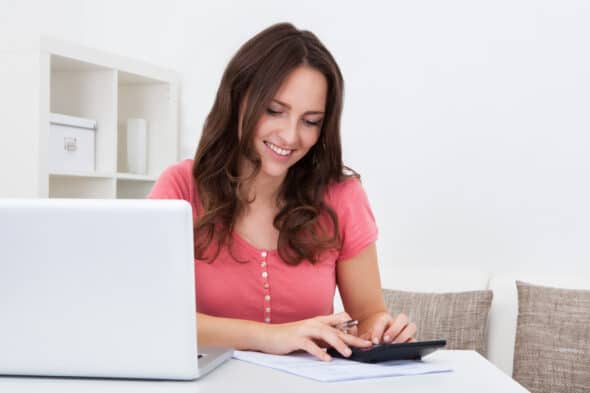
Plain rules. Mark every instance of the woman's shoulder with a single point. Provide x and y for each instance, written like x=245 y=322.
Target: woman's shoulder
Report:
x=180 y=171
x=347 y=189
x=183 y=167
x=176 y=181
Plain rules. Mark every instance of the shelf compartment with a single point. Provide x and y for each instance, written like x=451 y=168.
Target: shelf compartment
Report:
x=90 y=91
x=72 y=186
x=133 y=189
x=155 y=101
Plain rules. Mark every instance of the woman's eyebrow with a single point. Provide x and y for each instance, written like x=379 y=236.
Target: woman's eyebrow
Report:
x=289 y=106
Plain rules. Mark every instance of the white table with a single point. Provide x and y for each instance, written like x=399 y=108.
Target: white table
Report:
x=472 y=373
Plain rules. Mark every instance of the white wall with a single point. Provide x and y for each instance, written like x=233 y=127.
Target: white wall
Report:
x=469 y=121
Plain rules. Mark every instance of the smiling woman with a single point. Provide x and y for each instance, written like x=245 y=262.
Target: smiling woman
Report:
x=286 y=131
x=278 y=219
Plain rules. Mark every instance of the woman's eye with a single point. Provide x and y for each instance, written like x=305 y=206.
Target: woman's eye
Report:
x=313 y=123
x=272 y=112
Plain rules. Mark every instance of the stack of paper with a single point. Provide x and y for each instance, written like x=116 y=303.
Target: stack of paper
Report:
x=306 y=365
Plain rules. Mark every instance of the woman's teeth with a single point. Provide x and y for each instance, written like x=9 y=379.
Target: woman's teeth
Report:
x=278 y=150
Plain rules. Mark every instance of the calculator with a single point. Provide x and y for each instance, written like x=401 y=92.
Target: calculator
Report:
x=389 y=351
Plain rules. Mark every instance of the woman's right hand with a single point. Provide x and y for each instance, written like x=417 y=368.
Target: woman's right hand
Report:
x=311 y=335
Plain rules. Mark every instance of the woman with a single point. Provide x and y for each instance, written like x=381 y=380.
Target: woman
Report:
x=278 y=221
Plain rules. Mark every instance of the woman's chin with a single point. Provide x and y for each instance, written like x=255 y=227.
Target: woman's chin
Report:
x=279 y=175
x=273 y=171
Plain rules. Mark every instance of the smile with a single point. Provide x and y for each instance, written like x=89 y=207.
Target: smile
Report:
x=278 y=150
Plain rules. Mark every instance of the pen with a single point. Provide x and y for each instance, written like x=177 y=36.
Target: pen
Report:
x=344 y=326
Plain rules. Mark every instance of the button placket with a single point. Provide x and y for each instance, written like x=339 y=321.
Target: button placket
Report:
x=266 y=286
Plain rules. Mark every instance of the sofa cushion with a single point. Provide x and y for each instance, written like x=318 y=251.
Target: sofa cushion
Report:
x=432 y=280
x=552 y=349
x=458 y=317
x=504 y=310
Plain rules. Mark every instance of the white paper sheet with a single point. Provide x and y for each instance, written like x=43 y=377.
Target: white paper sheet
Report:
x=306 y=365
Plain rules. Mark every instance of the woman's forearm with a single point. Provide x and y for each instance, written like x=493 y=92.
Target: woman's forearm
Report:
x=229 y=332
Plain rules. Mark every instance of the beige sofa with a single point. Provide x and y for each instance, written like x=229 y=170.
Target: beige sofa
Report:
x=502 y=318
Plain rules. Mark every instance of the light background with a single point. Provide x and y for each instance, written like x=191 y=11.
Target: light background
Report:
x=468 y=120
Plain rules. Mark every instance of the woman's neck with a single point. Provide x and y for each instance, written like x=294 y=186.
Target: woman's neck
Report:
x=264 y=189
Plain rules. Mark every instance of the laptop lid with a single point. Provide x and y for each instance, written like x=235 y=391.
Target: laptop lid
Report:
x=97 y=288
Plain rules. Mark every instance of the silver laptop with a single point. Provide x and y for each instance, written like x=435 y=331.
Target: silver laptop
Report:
x=99 y=288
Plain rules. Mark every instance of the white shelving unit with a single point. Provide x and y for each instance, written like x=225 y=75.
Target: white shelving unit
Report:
x=40 y=75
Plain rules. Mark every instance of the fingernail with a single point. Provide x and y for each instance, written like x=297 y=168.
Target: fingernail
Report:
x=347 y=352
x=375 y=340
x=387 y=338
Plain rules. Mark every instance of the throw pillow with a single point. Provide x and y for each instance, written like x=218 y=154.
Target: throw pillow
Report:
x=552 y=349
x=458 y=317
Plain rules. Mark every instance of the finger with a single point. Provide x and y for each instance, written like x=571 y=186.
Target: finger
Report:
x=321 y=343
x=366 y=335
x=310 y=347
x=334 y=319
x=353 y=331
x=399 y=323
x=379 y=327
x=355 y=341
x=332 y=337
x=348 y=339
x=411 y=340
x=406 y=333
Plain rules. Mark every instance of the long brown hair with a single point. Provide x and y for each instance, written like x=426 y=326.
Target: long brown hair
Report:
x=307 y=225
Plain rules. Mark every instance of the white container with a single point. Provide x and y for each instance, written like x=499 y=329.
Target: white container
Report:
x=71 y=144
x=137 y=146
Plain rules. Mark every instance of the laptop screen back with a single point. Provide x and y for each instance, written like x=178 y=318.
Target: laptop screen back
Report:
x=97 y=288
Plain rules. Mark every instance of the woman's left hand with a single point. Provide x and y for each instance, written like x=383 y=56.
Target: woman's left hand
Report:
x=381 y=327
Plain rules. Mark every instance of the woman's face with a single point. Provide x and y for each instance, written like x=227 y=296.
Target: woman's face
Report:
x=291 y=123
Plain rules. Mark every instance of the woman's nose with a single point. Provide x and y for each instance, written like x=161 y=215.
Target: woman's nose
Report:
x=288 y=132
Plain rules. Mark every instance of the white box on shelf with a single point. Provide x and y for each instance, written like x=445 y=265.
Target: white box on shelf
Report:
x=71 y=144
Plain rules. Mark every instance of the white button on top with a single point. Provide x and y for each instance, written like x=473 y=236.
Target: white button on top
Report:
x=262 y=264
x=264 y=274
x=267 y=298
x=263 y=253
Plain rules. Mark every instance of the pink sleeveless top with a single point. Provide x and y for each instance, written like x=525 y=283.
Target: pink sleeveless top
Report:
x=265 y=288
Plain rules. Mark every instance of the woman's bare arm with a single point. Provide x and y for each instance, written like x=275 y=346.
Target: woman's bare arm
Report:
x=360 y=287
x=228 y=332
x=278 y=338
